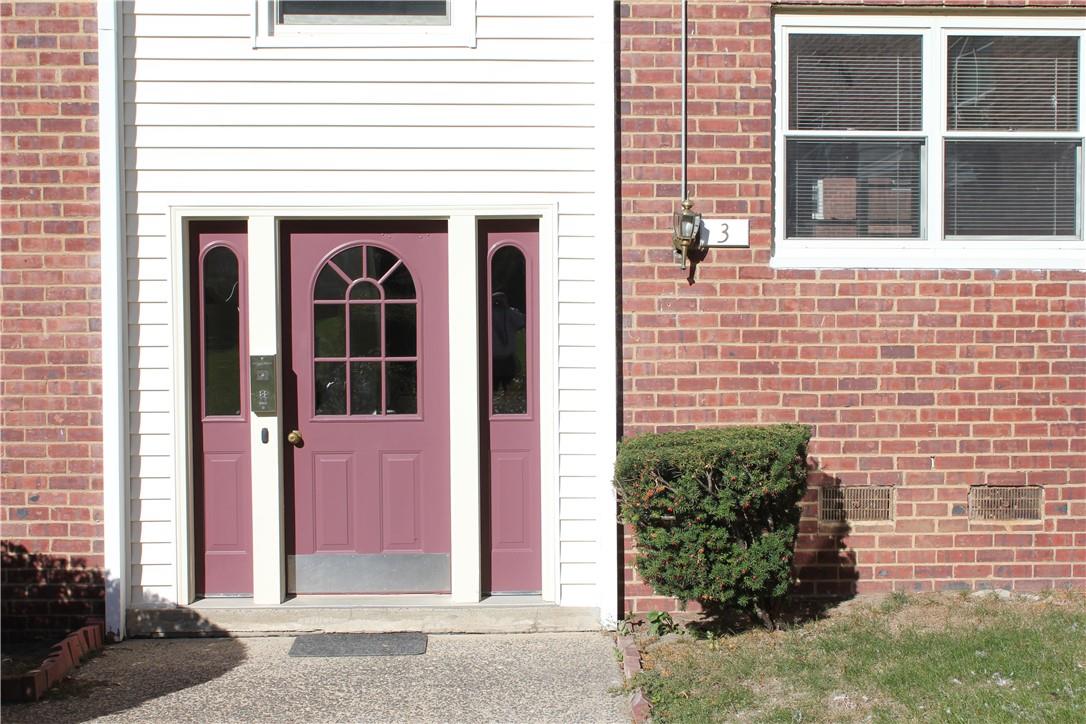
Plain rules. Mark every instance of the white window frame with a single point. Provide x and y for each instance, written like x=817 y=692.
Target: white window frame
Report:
x=459 y=32
x=932 y=250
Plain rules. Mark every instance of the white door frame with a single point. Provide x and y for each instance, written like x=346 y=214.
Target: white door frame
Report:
x=265 y=323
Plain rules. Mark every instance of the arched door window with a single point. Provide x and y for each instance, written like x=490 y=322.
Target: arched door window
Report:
x=221 y=333
x=509 y=352
x=365 y=335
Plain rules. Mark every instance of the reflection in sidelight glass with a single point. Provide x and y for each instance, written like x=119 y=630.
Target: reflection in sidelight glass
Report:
x=221 y=323
x=508 y=319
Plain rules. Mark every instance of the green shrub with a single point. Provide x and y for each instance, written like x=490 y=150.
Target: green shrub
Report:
x=716 y=512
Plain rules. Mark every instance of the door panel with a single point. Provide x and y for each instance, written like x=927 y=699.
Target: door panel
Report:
x=222 y=480
x=332 y=501
x=224 y=492
x=510 y=489
x=400 y=504
x=512 y=407
x=369 y=359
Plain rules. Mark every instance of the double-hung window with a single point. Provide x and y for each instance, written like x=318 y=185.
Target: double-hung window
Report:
x=934 y=141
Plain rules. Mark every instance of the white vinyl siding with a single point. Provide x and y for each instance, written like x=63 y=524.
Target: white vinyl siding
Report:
x=211 y=121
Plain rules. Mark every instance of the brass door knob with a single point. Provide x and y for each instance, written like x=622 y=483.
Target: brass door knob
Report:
x=294 y=438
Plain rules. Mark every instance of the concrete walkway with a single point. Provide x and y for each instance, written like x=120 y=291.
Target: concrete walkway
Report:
x=566 y=677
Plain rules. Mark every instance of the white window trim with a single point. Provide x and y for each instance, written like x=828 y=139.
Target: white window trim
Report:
x=458 y=33
x=931 y=251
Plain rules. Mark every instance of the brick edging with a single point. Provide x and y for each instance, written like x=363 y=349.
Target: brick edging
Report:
x=640 y=707
x=64 y=656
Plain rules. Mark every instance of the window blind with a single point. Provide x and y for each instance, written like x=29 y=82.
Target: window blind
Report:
x=1012 y=83
x=849 y=189
x=855 y=82
x=1011 y=188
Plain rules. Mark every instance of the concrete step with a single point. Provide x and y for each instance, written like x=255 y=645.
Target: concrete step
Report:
x=344 y=614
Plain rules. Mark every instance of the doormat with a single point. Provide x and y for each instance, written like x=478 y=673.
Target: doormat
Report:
x=360 y=644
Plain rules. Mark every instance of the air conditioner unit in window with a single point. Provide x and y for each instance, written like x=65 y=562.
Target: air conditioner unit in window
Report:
x=834 y=199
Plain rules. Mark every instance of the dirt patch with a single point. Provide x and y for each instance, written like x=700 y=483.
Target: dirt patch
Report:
x=940 y=612
x=19 y=657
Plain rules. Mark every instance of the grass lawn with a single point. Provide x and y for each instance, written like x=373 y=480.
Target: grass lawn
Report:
x=938 y=658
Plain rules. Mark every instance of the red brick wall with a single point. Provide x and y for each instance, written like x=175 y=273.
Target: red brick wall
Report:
x=930 y=381
x=50 y=351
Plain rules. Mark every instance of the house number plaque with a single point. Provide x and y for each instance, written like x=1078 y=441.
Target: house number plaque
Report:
x=262 y=383
x=725 y=233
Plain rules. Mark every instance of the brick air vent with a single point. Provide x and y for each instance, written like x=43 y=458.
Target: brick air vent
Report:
x=1017 y=502
x=855 y=503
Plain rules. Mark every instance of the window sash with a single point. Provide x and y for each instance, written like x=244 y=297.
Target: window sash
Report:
x=935 y=132
x=370 y=35
x=844 y=188
x=872 y=83
x=1043 y=201
x=1012 y=83
x=362 y=12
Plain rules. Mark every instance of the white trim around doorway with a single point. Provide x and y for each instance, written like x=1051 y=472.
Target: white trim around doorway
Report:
x=269 y=504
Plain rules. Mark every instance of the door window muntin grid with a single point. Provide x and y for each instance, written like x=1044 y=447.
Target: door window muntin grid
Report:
x=363 y=276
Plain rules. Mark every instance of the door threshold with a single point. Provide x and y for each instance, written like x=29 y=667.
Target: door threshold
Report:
x=406 y=600
x=340 y=614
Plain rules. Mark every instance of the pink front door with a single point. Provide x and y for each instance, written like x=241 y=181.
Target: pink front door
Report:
x=512 y=405
x=223 y=487
x=367 y=392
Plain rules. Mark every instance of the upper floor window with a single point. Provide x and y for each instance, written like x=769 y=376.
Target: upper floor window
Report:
x=365 y=23
x=362 y=12
x=928 y=141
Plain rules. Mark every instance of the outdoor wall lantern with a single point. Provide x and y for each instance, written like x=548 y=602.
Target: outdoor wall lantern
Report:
x=687 y=231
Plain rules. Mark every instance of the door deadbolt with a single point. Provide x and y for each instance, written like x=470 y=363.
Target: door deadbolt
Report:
x=294 y=438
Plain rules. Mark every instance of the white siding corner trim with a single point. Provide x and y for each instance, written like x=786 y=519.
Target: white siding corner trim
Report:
x=114 y=323
x=607 y=568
